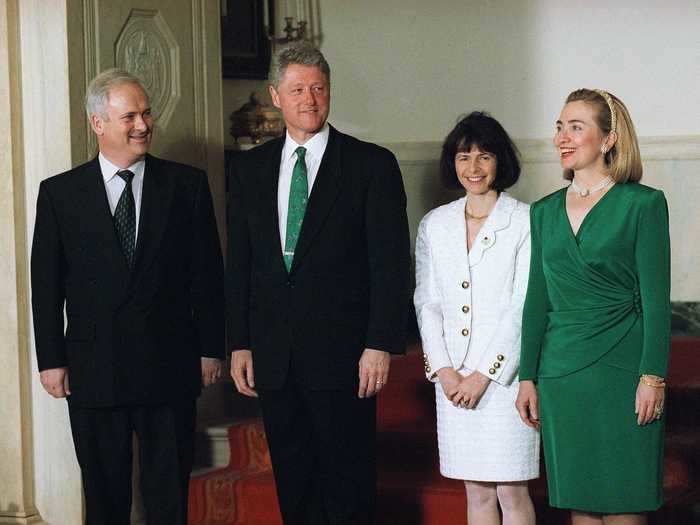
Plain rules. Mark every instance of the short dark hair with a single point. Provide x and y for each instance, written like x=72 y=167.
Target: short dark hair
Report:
x=483 y=131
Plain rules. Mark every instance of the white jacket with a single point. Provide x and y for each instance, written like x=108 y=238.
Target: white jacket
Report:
x=469 y=305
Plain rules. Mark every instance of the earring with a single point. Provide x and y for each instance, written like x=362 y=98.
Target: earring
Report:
x=603 y=149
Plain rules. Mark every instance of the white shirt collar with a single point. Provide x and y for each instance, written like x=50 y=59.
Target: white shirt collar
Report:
x=109 y=170
x=315 y=146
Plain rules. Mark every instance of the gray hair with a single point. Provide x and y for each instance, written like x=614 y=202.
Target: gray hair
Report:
x=302 y=53
x=97 y=94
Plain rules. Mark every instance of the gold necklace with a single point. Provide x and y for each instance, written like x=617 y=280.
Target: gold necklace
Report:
x=468 y=215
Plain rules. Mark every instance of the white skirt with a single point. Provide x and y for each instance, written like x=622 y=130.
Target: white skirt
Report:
x=488 y=443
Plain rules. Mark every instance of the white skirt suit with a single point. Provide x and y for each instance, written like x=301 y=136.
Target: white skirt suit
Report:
x=469 y=308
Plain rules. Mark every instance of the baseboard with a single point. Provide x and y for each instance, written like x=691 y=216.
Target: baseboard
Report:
x=28 y=520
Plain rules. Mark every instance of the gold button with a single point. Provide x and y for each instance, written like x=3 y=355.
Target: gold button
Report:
x=500 y=357
x=465 y=332
x=497 y=365
x=492 y=371
x=465 y=284
x=465 y=309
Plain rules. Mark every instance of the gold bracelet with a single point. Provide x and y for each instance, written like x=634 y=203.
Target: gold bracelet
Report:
x=652 y=381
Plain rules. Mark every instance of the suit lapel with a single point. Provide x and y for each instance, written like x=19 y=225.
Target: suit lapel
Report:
x=268 y=198
x=96 y=203
x=497 y=220
x=98 y=218
x=455 y=230
x=156 y=197
x=323 y=195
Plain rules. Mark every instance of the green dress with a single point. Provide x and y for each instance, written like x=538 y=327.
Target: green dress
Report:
x=596 y=316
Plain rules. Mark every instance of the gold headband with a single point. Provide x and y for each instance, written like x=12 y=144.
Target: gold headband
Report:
x=609 y=101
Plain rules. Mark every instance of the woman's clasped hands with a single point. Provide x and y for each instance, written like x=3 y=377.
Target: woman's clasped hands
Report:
x=463 y=391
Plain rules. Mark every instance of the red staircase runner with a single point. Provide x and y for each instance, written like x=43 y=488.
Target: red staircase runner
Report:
x=411 y=490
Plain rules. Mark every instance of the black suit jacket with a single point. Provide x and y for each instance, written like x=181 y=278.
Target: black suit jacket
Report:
x=133 y=337
x=348 y=288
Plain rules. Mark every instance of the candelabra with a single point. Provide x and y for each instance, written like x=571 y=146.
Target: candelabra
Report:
x=292 y=32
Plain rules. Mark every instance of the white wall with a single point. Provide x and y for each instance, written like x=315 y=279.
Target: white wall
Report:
x=403 y=70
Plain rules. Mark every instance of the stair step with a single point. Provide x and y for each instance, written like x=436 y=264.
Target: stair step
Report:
x=229 y=497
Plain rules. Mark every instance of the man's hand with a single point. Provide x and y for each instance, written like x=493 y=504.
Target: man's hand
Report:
x=242 y=372
x=211 y=370
x=374 y=372
x=470 y=390
x=55 y=381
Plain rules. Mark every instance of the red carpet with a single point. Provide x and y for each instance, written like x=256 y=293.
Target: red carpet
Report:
x=411 y=490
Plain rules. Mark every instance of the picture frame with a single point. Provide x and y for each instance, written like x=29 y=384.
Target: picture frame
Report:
x=245 y=46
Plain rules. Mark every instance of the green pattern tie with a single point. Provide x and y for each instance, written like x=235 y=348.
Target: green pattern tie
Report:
x=298 y=197
x=125 y=218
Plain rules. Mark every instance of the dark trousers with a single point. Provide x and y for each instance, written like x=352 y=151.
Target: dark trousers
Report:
x=103 y=439
x=322 y=445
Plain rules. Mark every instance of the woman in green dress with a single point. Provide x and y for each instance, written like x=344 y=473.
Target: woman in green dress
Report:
x=596 y=321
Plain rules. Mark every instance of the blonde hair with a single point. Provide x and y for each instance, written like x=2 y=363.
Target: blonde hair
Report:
x=623 y=159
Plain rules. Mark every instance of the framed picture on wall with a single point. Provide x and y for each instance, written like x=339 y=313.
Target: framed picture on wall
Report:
x=245 y=48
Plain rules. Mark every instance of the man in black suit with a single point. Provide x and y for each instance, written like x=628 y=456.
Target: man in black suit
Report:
x=127 y=245
x=317 y=292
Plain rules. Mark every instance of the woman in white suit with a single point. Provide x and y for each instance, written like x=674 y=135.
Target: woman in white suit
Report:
x=472 y=263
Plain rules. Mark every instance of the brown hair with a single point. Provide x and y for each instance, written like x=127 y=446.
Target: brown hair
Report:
x=623 y=159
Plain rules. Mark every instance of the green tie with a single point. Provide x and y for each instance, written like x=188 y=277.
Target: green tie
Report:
x=298 y=197
x=125 y=218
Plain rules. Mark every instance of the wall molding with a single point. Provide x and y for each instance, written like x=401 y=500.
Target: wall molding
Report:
x=17 y=494
x=147 y=48
x=541 y=150
x=199 y=50
x=91 y=29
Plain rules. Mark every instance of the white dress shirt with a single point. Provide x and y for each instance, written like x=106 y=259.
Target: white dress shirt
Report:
x=315 y=147
x=114 y=185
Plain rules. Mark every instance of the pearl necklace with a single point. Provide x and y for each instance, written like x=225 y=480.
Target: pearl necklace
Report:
x=585 y=192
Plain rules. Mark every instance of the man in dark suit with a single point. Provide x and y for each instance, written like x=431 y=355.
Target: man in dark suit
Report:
x=127 y=245
x=317 y=291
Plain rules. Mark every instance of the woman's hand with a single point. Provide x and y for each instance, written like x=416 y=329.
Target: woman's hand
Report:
x=528 y=404
x=646 y=403
x=449 y=380
x=470 y=390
